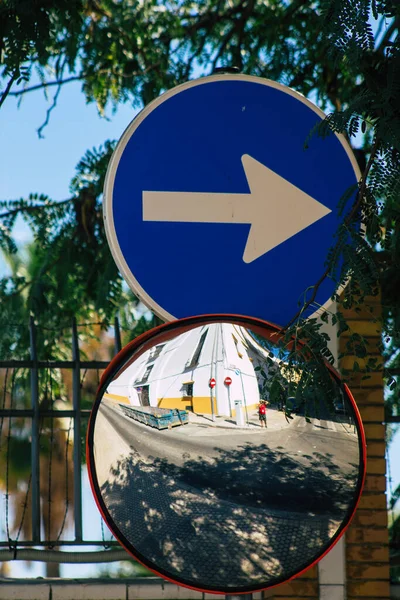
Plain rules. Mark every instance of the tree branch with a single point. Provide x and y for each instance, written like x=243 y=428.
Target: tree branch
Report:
x=33 y=208
x=45 y=84
x=224 y=42
x=8 y=86
x=348 y=220
x=48 y=112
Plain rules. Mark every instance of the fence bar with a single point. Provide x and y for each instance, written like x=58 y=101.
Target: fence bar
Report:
x=59 y=543
x=58 y=556
x=35 y=463
x=53 y=364
x=117 y=336
x=27 y=412
x=76 y=404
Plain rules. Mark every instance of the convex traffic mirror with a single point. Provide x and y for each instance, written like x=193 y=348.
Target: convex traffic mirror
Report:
x=209 y=476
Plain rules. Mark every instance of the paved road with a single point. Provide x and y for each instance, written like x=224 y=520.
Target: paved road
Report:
x=306 y=466
x=207 y=505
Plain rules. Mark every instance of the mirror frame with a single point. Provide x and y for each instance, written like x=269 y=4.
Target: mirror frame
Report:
x=166 y=332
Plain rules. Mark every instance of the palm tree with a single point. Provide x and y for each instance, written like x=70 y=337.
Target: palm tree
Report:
x=56 y=469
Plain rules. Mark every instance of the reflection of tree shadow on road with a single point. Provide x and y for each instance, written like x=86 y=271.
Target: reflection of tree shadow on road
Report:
x=248 y=517
x=261 y=477
x=252 y=423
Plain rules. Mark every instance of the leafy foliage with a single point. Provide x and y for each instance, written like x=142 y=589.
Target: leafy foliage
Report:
x=68 y=270
x=130 y=51
x=343 y=54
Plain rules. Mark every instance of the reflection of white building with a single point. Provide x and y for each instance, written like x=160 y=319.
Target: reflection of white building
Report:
x=177 y=373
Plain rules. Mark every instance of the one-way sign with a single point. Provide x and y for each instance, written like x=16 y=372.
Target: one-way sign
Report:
x=213 y=176
x=270 y=224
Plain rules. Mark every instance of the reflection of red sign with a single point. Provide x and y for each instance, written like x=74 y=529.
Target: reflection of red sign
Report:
x=227 y=381
x=212 y=382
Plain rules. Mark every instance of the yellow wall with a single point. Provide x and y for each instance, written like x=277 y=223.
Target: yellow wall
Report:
x=367 y=538
x=199 y=404
x=181 y=403
x=202 y=405
x=116 y=398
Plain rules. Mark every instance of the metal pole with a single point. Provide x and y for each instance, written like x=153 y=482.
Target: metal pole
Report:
x=76 y=405
x=35 y=462
x=229 y=400
x=213 y=373
x=244 y=397
x=117 y=336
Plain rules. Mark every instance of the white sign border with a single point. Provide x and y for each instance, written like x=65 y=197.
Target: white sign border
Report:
x=116 y=252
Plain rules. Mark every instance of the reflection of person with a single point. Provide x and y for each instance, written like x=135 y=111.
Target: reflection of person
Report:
x=262 y=413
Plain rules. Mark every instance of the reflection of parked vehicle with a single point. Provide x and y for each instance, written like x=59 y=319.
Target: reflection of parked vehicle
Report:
x=339 y=407
x=342 y=413
x=160 y=418
x=291 y=405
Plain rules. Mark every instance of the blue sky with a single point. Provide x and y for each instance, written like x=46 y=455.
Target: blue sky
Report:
x=29 y=164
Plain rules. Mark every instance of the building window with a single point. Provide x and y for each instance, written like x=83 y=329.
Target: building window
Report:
x=187 y=389
x=196 y=356
x=155 y=352
x=144 y=396
x=145 y=375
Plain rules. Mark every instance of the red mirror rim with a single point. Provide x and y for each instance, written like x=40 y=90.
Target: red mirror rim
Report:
x=165 y=332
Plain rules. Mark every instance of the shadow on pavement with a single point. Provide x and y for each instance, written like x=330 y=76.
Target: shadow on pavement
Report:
x=250 y=516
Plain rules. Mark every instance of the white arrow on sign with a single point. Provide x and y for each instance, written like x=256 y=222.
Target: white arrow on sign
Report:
x=275 y=208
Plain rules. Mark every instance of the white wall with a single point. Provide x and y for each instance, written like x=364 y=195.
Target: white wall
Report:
x=221 y=356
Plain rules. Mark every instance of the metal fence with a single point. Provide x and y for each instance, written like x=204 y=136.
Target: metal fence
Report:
x=36 y=419
x=35 y=500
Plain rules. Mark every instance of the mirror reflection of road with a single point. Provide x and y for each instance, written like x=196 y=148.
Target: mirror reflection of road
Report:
x=252 y=504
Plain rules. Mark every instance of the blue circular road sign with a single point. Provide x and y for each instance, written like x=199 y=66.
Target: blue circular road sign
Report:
x=213 y=204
